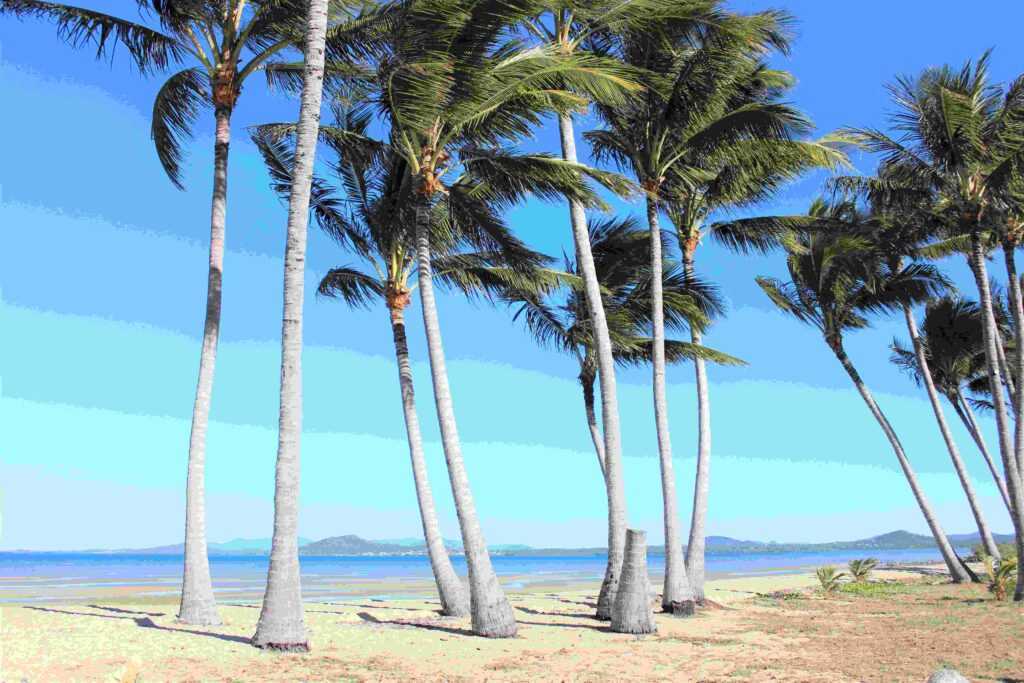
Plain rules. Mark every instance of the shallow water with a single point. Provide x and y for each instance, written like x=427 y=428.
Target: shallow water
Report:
x=31 y=577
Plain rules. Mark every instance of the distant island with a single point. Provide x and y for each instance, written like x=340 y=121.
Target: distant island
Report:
x=351 y=545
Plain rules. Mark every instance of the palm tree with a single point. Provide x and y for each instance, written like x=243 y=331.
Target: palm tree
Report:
x=457 y=89
x=281 y=625
x=960 y=141
x=226 y=42
x=896 y=235
x=921 y=359
x=620 y=252
x=572 y=26
x=952 y=340
x=373 y=220
x=730 y=176
x=709 y=102
x=836 y=280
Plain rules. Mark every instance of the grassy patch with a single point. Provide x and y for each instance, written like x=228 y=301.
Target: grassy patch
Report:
x=875 y=589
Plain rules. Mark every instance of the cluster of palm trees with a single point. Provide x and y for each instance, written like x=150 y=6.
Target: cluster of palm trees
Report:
x=949 y=182
x=428 y=101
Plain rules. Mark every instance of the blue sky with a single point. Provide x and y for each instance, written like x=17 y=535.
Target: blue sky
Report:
x=104 y=266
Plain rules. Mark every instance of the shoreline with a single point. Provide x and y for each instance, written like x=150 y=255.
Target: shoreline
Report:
x=319 y=589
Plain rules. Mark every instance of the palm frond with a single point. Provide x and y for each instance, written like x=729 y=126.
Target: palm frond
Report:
x=175 y=109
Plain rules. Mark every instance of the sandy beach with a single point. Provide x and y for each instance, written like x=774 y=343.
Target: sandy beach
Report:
x=765 y=628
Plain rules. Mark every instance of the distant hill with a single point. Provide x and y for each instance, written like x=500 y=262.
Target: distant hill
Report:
x=716 y=545
x=713 y=541
x=353 y=545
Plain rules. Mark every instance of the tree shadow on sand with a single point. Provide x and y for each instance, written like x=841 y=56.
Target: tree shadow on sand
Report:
x=146 y=622
x=118 y=610
x=427 y=626
x=602 y=628
x=540 y=613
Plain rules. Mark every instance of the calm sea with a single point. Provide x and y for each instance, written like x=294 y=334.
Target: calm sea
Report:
x=30 y=577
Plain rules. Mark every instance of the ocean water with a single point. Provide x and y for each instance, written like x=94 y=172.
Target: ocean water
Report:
x=37 y=577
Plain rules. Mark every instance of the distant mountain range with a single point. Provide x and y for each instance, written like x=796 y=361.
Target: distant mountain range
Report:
x=716 y=545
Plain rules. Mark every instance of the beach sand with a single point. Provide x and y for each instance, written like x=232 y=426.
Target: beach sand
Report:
x=920 y=624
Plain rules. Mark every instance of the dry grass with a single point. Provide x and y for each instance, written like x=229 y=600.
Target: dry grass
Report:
x=889 y=632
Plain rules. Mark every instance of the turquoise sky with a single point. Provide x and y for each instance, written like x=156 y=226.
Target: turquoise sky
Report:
x=103 y=283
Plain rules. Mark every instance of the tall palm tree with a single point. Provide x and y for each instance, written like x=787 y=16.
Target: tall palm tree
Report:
x=572 y=26
x=960 y=139
x=457 y=89
x=952 y=341
x=225 y=43
x=372 y=219
x=562 y=319
x=836 y=281
x=709 y=106
x=728 y=176
x=282 y=625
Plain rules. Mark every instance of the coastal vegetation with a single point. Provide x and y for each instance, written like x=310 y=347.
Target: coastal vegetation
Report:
x=433 y=104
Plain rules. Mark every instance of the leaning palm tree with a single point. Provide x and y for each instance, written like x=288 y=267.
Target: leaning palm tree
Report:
x=924 y=375
x=897 y=235
x=371 y=218
x=562 y=320
x=708 y=95
x=457 y=90
x=959 y=139
x=282 y=625
x=952 y=341
x=225 y=42
x=836 y=281
x=570 y=27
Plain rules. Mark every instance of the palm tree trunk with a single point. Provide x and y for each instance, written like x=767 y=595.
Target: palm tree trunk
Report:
x=976 y=261
x=1004 y=369
x=587 y=381
x=454 y=600
x=490 y=609
x=614 y=487
x=677 y=587
x=956 y=569
x=1013 y=284
x=281 y=624
x=963 y=410
x=954 y=453
x=632 y=612
x=702 y=481
x=197 y=602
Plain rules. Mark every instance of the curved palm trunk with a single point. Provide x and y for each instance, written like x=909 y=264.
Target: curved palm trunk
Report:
x=454 y=600
x=197 y=602
x=490 y=609
x=954 y=453
x=281 y=624
x=963 y=410
x=956 y=569
x=976 y=261
x=587 y=381
x=609 y=399
x=677 y=587
x=702 y=480
x=1013 y=284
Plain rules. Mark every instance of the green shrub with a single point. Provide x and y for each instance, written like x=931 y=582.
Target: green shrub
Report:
x=860 y=570
x=1002 y=577
x=830 y=579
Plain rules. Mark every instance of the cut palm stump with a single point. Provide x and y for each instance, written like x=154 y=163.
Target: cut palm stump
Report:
x=632 y=610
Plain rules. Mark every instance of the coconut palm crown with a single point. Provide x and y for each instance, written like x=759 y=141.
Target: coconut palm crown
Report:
x=621 y=258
